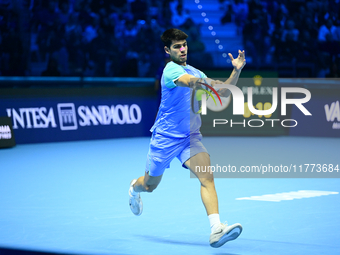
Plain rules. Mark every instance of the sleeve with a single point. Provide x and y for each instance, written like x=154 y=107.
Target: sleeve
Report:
x=203 y=75
x=171 y=74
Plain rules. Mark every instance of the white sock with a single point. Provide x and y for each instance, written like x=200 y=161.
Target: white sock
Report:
x=214 y=221
x=133 y=192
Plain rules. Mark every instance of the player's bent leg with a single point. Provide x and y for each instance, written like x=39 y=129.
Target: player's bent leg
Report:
x=144 y=183
x=162 y=151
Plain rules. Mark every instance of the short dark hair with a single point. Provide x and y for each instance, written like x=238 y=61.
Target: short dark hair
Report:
x=172 y=34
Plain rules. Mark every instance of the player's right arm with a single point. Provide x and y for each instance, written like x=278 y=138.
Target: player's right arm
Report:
x=175 y=76
x=191 y=81
x=186 y=80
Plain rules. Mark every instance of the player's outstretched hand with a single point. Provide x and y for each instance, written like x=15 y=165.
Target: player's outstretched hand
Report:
x=239 y=62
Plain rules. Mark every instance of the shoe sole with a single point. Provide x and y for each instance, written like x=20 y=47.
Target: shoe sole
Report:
x=229 y=236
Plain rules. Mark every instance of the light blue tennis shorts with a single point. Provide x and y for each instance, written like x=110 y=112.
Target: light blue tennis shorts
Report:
x=164 y=149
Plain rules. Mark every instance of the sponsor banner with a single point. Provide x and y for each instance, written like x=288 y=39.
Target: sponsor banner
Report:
x=54 y=119
x=325 y=119
x=6 y=133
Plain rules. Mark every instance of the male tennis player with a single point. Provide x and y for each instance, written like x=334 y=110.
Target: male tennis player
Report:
x=176 y=133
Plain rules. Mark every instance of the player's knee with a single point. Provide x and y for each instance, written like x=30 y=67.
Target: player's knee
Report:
x=207 y=181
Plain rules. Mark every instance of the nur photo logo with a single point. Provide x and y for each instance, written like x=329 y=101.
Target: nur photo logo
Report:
x=217 y=101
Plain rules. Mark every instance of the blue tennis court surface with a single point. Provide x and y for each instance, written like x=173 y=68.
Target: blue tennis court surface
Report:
x=73 y=198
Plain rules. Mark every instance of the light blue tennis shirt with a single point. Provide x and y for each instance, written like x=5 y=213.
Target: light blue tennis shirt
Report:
x=175 y=117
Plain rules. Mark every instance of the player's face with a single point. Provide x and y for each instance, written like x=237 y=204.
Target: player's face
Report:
x=178 y=52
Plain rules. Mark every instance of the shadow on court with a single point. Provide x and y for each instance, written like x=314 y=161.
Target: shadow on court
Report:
x=176 y=242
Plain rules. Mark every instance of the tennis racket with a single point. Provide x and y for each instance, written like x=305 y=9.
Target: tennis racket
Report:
x=214 y=101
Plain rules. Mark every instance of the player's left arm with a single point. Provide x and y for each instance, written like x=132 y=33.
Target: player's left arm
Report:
x=238 y=65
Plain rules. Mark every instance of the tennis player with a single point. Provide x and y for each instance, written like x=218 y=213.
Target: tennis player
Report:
x=176 y=133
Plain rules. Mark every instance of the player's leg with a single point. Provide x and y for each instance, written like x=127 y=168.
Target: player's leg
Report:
x=161 y=152
x=208 y=191
x=199 y=165
x=144 y=183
